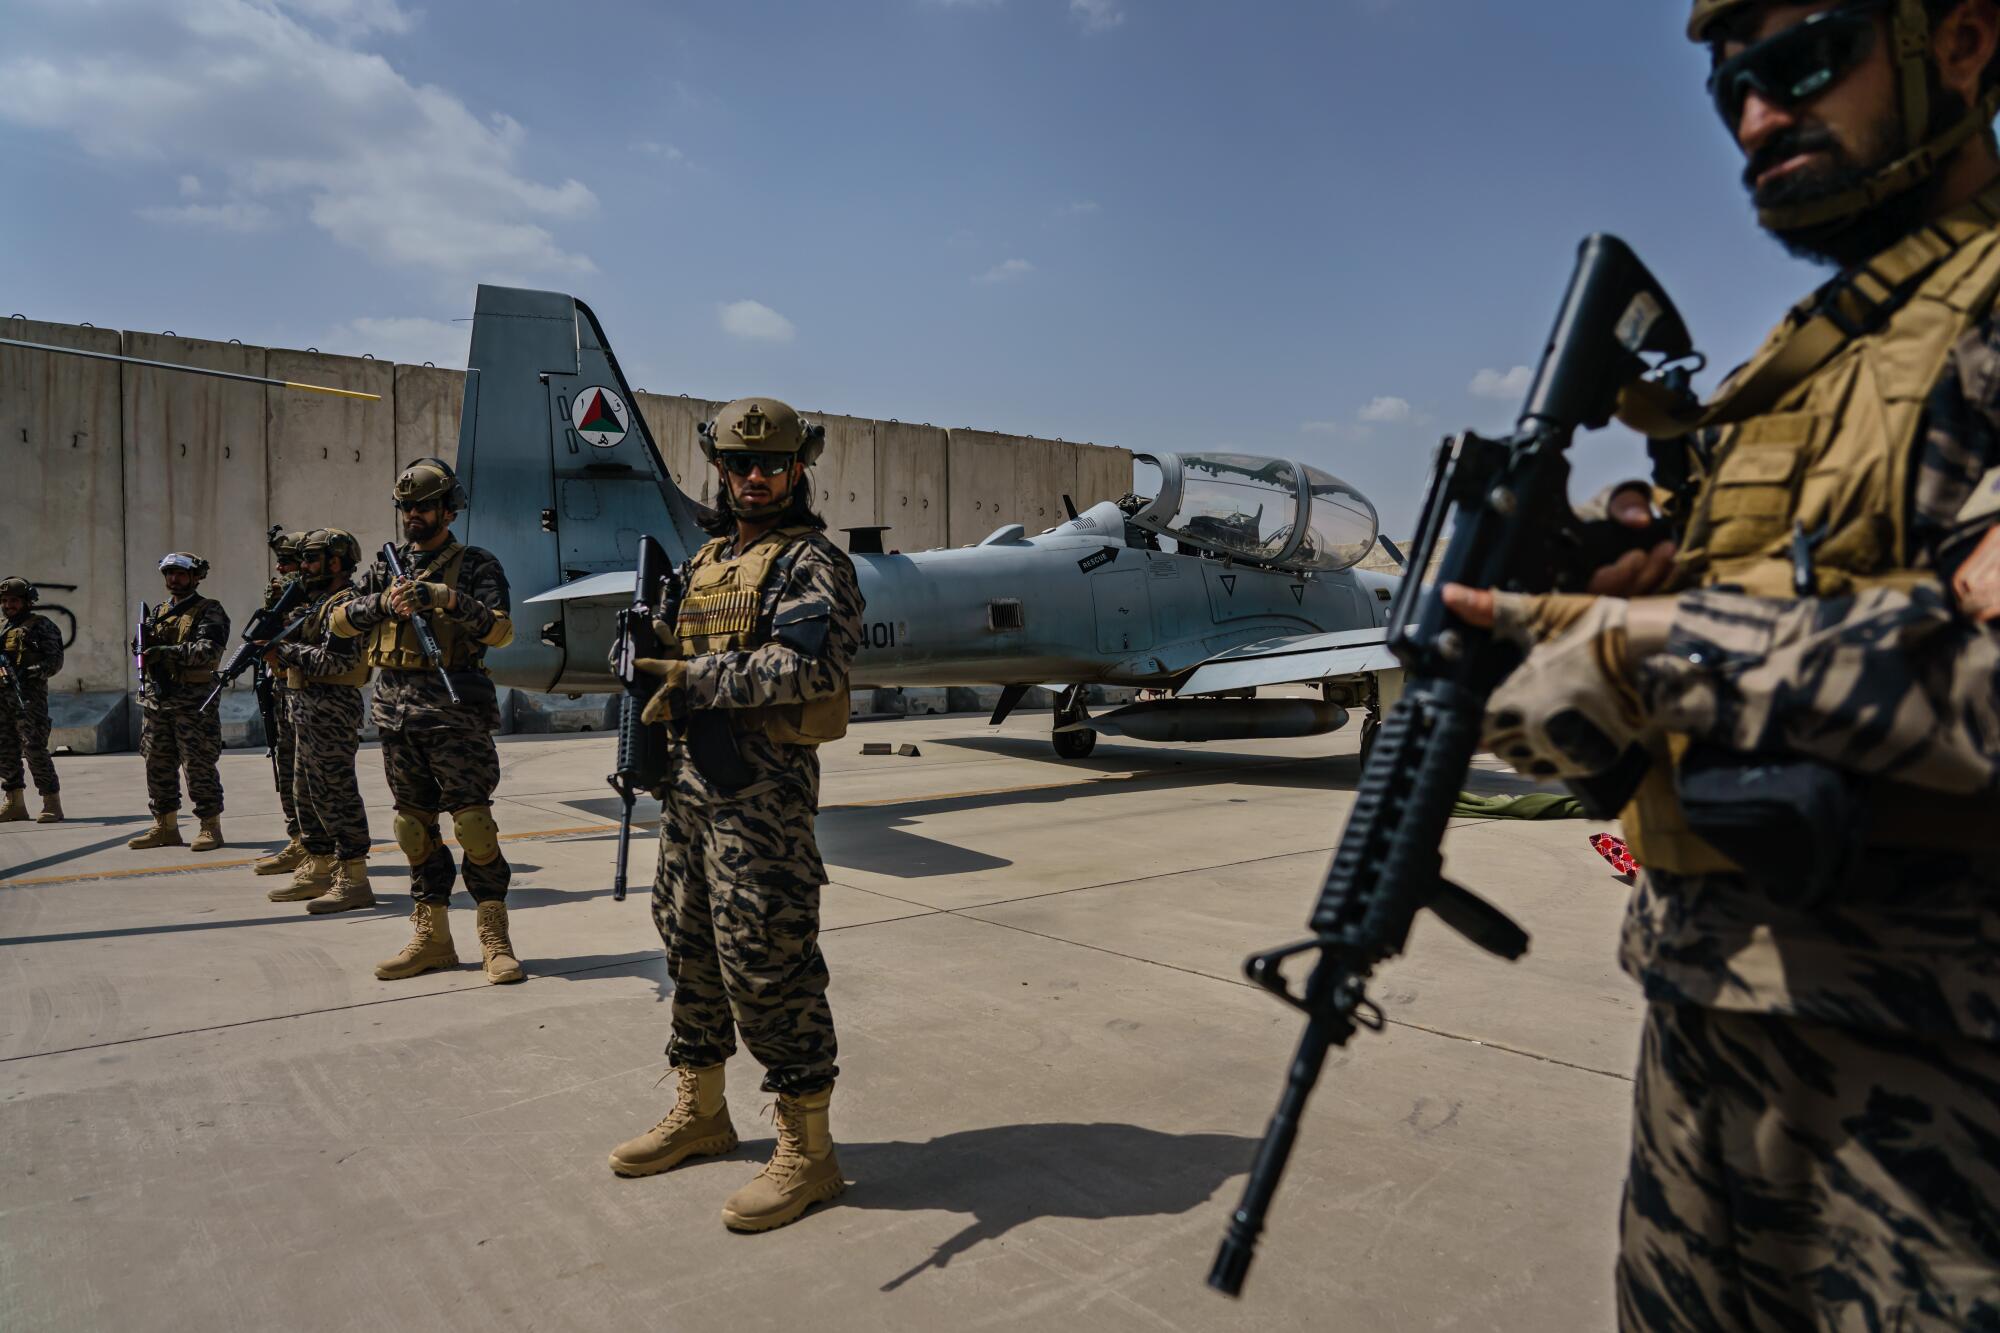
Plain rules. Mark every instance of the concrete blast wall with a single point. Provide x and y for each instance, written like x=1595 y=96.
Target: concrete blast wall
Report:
x=110 y=466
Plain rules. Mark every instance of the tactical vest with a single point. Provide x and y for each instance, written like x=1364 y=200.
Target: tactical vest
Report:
x=1820 y=432
x=15 y=639
x=314 y=631
x=393 y=645
x=728 y=608
x=171 y=628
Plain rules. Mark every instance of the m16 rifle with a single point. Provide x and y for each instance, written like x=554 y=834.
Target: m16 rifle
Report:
x=266 y=627
x=642 y=746
x=13 y=670
x=142 y=643
x=426 y=640
x=1502 y=508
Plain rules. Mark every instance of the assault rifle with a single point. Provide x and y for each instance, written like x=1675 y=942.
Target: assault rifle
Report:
x=422 y=625
x=266 y=627
x=142 y=642
x=1502 y=509
x=13 y=671
x=642 y=746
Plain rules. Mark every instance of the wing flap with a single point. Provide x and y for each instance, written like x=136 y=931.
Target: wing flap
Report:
x=1290 y=659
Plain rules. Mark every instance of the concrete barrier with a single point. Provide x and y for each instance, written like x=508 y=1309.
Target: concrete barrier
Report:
x=1102 y=473
x=912 y=472
x=1044 y=472
x=93 y=722
x=429 y=404
x=333 y=460
x=844 y=479
x=673 y=420
x=194 y=467
x=62 y=431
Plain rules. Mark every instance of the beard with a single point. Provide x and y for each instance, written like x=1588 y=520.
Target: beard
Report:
x=419 y=529
x=1846 y=241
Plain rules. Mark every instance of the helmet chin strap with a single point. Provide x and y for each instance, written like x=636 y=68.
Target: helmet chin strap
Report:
x=1911 y=33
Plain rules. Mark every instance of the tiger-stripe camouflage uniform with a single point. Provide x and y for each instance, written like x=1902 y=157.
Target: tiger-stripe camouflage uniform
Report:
x=324 y=674
x=34 y=650
x=1816 y=1129
x=284 y=746
x=438 y=755
x=763 y=641
x=177 y=736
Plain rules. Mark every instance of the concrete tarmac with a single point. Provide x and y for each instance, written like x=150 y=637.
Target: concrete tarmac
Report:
x=1053 y=1074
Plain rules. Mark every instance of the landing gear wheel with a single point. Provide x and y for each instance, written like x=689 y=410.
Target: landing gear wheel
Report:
x=1369 y=727
x=1074 y=744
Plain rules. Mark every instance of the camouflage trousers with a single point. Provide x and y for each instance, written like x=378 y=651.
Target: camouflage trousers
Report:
x=736 y=900
x=26 y=736
x=287 y=758
x=1795 y=1175
x=445 y=769
x=325 y=723
x=181 y=735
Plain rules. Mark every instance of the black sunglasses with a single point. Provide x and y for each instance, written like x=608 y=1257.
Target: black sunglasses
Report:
x=1790 y=68
x=740 y=462
x=413 y=506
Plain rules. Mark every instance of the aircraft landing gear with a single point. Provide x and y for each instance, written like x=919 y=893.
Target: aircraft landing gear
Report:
x=1076 y=743
x=1371 y=719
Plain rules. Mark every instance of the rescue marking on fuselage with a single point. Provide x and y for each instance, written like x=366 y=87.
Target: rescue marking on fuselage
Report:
x=1097 y=559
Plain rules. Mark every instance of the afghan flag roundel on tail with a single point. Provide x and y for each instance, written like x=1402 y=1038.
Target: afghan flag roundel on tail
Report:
x=599 y=416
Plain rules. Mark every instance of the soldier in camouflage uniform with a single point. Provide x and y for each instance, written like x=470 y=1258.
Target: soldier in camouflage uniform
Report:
x=184 y=640
x=34 y=652
x=439 y=755
x=324 y=674
x=759 y=654
x=1816 y=1132
x=285 y=551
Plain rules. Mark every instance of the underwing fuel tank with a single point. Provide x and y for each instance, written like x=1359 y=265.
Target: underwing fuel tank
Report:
x=1191 y=720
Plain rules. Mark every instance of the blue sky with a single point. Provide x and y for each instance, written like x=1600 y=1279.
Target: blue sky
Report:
x=1323 y=230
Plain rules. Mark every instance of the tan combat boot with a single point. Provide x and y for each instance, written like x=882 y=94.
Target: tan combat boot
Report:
x=698 y=1126
x=51 y=809
x=283 y=861
x=313 y=877
x=430 y=949
x=501 y=967
x=15 y=808
x=350 y=889
x=802 y=1171
x=166 y=832
x=210 y=836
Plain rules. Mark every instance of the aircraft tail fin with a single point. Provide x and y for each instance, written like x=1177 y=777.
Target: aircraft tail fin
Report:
x=563 y=473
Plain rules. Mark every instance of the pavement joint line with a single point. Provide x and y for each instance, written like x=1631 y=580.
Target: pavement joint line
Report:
x=133 y=872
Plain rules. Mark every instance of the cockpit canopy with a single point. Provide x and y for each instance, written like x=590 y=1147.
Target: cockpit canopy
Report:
x=1250 y=508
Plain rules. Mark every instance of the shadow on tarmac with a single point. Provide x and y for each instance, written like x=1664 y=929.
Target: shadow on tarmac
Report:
x=1009 y=1175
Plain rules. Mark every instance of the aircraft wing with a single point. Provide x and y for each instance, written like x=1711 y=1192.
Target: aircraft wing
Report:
x=1292 y=658
x=618 y=583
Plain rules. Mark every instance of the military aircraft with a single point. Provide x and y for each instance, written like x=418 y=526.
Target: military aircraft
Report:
x=1237 y=572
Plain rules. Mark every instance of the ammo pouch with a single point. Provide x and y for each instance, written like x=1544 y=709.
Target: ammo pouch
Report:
x=711 y=742
x=1794 y=826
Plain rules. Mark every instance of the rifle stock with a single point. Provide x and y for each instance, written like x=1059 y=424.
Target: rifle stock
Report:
x=426 y=640
x=1505 y=505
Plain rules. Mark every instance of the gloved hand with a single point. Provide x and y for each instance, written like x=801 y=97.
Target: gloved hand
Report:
x=1570 y=709
x=669 y=701
x=413 y=595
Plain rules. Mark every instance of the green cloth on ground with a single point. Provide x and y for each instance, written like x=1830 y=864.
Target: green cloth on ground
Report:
x=1534 y=805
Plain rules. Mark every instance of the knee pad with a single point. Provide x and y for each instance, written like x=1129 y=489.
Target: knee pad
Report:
x=413 y=834
x=476 y=833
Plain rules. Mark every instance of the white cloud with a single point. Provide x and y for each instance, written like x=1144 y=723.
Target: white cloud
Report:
x=1386 y=409
x=271 y=96
x=1096 y=15
x=412 y=339
x=1508 y=385
x=236 y=216
x=664 y=151
x=755 y=321
x=190 y=187
x=1010 y=270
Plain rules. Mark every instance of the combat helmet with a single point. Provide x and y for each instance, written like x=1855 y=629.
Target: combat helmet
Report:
x=332 y=541
x=16 y=586
x=1909 y=46
x=762 y=426
x=187 y=560
x=431 y=479
x=286 y=546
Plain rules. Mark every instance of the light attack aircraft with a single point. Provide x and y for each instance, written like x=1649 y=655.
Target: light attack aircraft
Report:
x=1236 y=572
